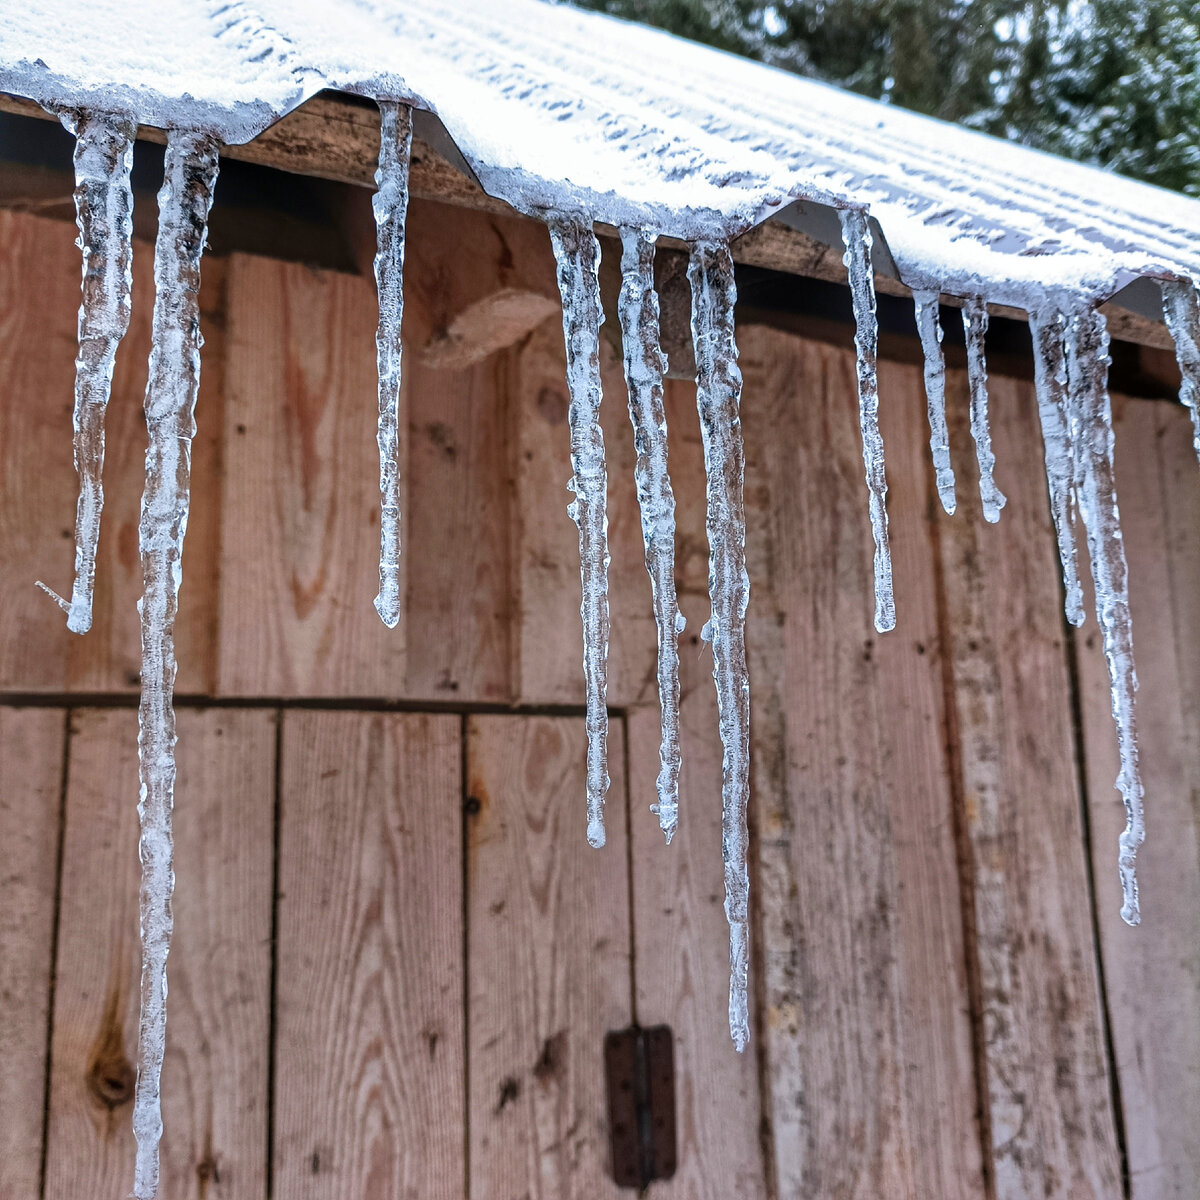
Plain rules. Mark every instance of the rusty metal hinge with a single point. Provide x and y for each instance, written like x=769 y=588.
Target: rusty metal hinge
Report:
x=639 y=1065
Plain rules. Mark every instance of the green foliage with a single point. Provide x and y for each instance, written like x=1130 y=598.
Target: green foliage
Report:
x=1113 y=82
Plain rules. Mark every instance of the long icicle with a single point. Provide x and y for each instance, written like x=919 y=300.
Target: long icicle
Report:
x=1050 y=379
x=104 y=214
x=577 y=254
x=390 y=205
x=975 y=324
x=644 y=367
x=190 y=173
x=1091 y=410
x=718 y=399
x=929 y=326
x=856 y=235
x=1181 y=309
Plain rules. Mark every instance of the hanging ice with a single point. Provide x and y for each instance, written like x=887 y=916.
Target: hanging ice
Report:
x=1181 y=308
x=857 y=238
x=1091 y=410
x=104 y=214
x=190 y=173
x=1050 y=379
x=391 y=207
x=577 y=254
x=975 y=323
x=718 y=398
x=930 y=328
x=644 y=367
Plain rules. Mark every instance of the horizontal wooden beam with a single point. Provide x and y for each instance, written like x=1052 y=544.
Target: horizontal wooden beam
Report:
x=335 y=136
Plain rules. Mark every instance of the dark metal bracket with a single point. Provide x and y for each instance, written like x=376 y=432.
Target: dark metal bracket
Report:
x=639 y=1065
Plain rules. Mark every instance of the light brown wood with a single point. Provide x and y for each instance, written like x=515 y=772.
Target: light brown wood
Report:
x=867 y=1041
x=215 y=1072
x=682 y=967
x=39 y=300
x=1152 y=973
x=1052 y=1128
x=369 y=1098
x=300 y=519
x=548 y=959
x=32 y=745
x=548 y=630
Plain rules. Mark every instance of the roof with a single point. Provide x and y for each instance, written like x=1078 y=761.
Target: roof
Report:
x=555 y=109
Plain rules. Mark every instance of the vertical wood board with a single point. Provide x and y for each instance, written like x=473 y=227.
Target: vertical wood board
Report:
x=548 y=959
x=215 y=1071
x=369 y=1037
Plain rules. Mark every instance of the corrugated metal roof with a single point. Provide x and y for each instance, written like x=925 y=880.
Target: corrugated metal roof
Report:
x=556 y=109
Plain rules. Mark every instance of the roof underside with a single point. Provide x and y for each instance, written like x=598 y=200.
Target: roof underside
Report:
x=558 y=110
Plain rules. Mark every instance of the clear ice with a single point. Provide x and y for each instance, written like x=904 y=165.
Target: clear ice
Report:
x=390 y=204
x=718 y=399
x=577 y=254
x=645 y=364
x=975 y=323
x=856 y=235
x=1047 y=326
x=929 y=326
x=190 y=173
x=1181 y=309
x=1091 y=412
x=104 y=214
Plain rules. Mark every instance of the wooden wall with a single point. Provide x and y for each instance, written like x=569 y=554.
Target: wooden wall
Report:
x=396 y=958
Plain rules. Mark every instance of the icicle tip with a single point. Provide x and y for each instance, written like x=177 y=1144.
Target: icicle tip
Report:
x=37 y=583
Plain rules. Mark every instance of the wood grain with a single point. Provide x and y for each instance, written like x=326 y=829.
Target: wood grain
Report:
x=1152 y=973
x=38 y=484
x=300 y=521
x=1052 y=1127
x=548 y=959
x=369 y=1032
x=32 y=745
x=546 y=559
x=682 y=965
x=215 y=1072
x=868 y=1054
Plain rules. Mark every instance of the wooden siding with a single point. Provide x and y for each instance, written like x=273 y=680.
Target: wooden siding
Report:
x=396 y=958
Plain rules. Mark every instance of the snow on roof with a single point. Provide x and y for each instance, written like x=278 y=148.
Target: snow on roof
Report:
x=556 y=109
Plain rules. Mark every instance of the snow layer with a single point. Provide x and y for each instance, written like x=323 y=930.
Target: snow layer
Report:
x=556 y=109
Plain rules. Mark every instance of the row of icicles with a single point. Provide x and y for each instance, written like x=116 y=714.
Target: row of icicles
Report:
x=1070 y=351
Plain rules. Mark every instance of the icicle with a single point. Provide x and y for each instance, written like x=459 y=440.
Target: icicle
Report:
x=190 y=173
x=857 y=238
x=975 y=323
x=1050 y=379
x=578 y=257
x=930 y=328
x=1088 y=362
x=104 y=214
x=1182 y=312
x=644 y=367
x=718 y=398
x=391 y=207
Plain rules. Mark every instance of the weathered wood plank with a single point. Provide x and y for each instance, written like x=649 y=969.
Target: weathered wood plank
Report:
x=369 y=1098
x=215 y=1073
x=548 y=959
x=548 y=632
x=300 y=521
x=871 y=1087
x=1052 y=1129
x=682 y=968
x=38 y=484
x=1152 y=973
x=32 y=745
